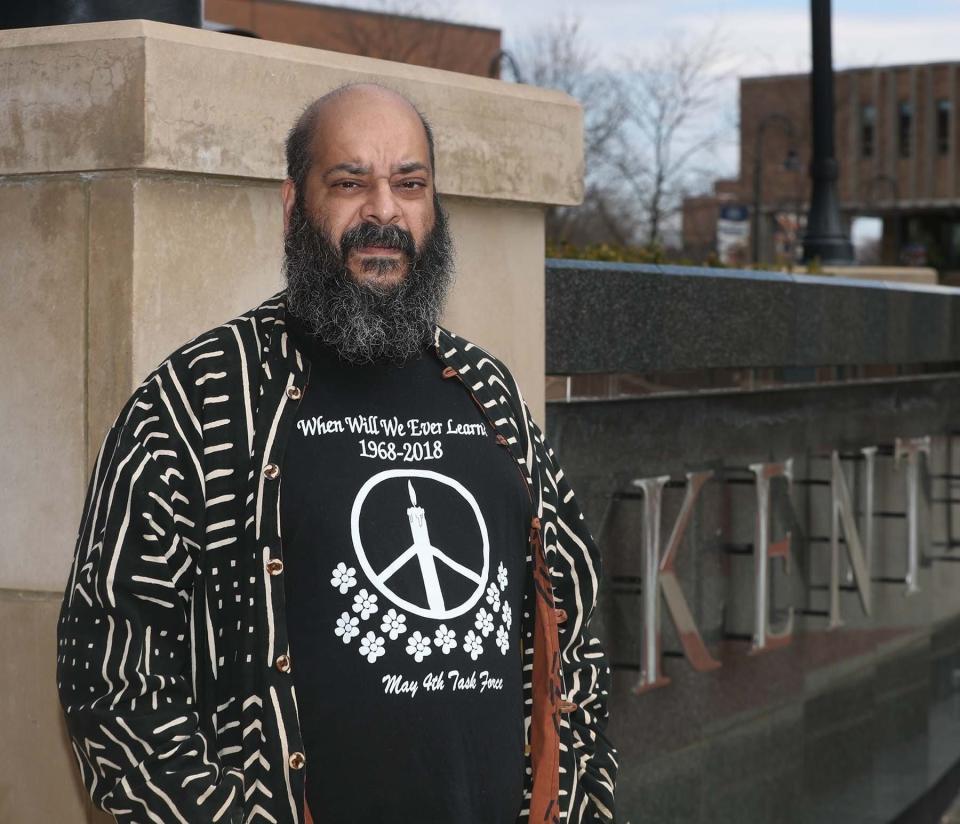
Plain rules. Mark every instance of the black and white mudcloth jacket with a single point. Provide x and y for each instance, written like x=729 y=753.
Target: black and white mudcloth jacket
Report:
x=172 y=641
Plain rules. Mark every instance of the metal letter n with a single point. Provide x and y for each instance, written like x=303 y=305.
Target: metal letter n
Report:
x=859 y=553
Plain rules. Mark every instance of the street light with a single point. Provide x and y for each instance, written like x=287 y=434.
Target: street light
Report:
x=825 y=239
x=791 y=163
x=504 y=56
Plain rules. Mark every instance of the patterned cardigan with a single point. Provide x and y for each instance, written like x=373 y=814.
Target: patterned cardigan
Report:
x=172 y=640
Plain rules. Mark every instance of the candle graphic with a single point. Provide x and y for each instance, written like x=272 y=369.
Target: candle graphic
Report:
x=424 y=550
x=428 y=557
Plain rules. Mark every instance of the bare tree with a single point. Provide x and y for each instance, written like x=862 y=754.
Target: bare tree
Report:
x=395 y=32
x=557 y=57
x=666 y=136
x=645 y=142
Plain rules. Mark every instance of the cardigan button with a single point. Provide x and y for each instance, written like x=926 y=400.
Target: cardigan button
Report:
x=561 y=615
x=282 y=663
x=294 y=393
x=274 y=566
x=297 y=760
x=271 y=471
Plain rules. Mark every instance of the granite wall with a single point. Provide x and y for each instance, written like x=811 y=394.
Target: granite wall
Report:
x=856 y=723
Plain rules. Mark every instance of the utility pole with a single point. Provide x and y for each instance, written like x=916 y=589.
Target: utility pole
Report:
x=824 y=239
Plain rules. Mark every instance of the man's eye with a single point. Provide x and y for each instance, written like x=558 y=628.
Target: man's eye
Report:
x=412 y=184
x=346 y=184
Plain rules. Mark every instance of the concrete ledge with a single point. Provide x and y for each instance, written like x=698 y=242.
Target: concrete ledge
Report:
x=138 y=94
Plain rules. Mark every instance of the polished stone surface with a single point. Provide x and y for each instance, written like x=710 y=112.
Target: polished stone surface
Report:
x=851 y=725
x=639 y=318
x=837 y=727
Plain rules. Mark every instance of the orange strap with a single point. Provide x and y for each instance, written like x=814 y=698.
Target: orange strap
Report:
x=545 y=713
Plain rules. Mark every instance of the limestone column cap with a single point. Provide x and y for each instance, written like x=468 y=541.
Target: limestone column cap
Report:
x=136 y=94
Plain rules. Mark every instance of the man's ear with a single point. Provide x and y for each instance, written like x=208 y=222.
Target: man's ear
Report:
x=288 y=194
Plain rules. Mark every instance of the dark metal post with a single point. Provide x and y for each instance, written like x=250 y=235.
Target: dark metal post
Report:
x=16 y=15
x=824 y=239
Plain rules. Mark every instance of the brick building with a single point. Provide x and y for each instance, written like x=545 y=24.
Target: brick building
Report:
x=433 y=43
x=896 y=145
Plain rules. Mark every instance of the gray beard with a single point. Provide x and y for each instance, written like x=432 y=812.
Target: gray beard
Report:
x=367 y=323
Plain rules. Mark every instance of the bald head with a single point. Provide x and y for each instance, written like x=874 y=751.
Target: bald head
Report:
x=345 y=103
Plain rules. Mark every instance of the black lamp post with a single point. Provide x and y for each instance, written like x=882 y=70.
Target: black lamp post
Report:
x=16 y=15
x=791 y=163
x=825 y=239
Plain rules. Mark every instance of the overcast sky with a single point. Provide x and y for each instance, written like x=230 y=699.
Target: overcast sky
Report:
x=764 y=36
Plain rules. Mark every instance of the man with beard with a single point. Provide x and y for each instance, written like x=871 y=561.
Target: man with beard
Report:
x=328 y=567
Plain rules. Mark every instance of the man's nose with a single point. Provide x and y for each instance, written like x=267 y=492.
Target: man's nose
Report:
x=381 y=205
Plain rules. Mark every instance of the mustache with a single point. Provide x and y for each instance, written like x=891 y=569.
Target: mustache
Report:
x=369 y=234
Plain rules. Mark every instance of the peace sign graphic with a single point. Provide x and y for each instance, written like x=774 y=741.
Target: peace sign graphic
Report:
x=421 y=552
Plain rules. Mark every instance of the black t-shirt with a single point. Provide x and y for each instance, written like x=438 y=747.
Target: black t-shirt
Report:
x=404 y=543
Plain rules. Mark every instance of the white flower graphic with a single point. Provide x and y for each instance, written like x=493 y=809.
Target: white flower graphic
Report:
x=445 y=638
x=365 y=603
x=343 y=577
x=503 y=639
x=484 y=622
x=473 y=644
x=347 y=627
x=502 y=576
x=394 y=623
x=418 y=646
x=507 y=615
x=493 y=597
x=371 y=647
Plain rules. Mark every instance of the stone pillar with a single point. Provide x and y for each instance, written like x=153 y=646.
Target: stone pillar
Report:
x=139 y=187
